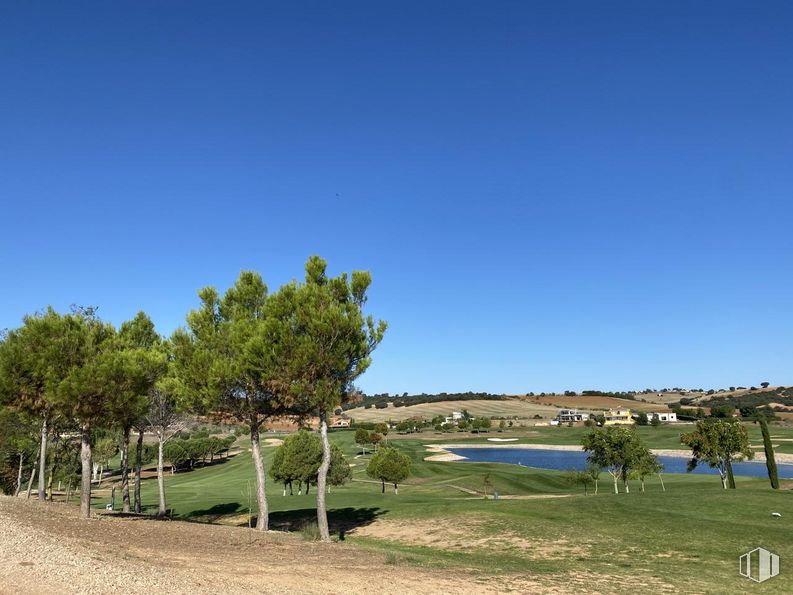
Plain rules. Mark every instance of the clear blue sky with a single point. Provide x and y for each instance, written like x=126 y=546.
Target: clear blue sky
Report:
x=549 y=195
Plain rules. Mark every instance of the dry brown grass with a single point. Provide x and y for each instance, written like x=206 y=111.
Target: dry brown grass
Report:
x=507 y=408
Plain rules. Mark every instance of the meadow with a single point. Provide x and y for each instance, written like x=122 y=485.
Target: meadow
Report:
x=687 y=538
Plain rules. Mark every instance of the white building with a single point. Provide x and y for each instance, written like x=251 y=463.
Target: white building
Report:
x=664 y=417
x=455 y=417
x=571 y=415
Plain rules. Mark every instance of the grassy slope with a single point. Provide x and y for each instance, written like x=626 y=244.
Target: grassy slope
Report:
x=507 y=408
x=689 y=537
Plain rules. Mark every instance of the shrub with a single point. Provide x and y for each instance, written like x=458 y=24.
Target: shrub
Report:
x=310 y=531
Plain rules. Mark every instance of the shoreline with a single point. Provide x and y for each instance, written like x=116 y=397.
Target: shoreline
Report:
x=442 y=452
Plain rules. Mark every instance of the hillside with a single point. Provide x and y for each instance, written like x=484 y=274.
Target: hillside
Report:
x=522 y=407
x=488 y=408
x=594 y=403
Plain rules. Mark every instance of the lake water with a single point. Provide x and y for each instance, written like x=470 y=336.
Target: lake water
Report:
x=562 y=460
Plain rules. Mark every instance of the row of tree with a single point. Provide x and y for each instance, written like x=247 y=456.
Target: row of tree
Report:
x=715 y=442
x=622 y=453
x=250 y=354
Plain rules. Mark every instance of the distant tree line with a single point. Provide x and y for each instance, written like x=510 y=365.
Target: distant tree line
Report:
x=381 y=401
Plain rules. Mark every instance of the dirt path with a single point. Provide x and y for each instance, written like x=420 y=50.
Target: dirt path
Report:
x=45 y=548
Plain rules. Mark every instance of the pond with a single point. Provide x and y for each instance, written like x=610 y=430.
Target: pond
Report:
x=561 y=460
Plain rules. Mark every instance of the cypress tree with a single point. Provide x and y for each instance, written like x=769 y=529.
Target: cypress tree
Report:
x=770 y=461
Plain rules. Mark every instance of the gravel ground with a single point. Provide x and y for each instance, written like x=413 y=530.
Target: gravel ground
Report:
x=46 y=548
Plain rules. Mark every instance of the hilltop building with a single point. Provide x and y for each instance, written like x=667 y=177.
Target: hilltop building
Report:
x=571 y=415
x=616 y=417
x=663 y=416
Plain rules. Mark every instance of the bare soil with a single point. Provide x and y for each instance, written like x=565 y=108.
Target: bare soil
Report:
x=46 y=548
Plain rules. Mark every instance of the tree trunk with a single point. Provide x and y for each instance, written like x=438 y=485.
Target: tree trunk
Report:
x=138 y=466
x=396 y=489
x=322 y=478
x=68 y=490
x=85 y=459
x=19 y=475
x=730 y=476
x=383 y=490
x=125 y=472
x=616 y=489
x=596 y=487
x=261 y=498
x=30 y=482
x=663 y=488
x=160 y=477
x=43 y=460
x=101 y=473
x=49 y=486
x=642 y=482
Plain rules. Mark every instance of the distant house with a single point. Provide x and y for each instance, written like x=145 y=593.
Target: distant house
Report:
x=340 y=422
x=571 y=415
x=616 y=417
x=455 y=417
x=663 y=416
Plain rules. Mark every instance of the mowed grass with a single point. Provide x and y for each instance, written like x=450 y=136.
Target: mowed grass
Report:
x=685 y=539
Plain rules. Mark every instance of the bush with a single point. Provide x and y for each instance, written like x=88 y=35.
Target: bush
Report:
x=310 y=531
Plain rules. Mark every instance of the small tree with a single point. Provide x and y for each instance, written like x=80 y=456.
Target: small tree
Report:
x=340 y=471
x=617 y=449
x=362 y=438
x=382 y=429
x=646 y=464
x=104 y=450
x=594 y=472
x=655 y=421
x=299 y=458
x=165 y=421
x=642 y=419
x=718 y=442
x=575 y=477
x=375 y=439
x=389 y=466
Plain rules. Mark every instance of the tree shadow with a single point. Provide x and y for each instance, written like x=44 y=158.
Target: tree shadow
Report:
x=340 y=520
x=214 y=513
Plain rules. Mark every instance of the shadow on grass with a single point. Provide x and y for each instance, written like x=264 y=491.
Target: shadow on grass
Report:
x=214 y=513
x=340 y=520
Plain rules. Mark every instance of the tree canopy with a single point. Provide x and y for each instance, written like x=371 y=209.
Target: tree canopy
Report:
x=718 y=442
x=389 y=465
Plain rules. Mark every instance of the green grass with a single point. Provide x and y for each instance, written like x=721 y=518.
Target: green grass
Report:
x=688 y=538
